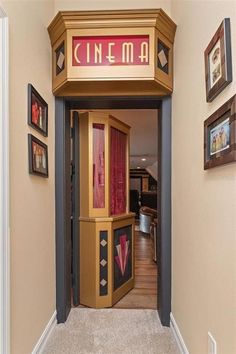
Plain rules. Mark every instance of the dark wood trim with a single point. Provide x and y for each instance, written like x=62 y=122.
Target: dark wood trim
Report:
x=63 y=211
x=75 y=211
x=227 y=110
x=164 y=106
x=164 y=209
x=222 y=34
x=132 y=102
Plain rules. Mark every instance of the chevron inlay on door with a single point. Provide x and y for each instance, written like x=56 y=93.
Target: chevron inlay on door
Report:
x=144 y=294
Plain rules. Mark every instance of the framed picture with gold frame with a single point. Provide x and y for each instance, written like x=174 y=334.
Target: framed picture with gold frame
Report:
x=220 y=135
x=218 y=61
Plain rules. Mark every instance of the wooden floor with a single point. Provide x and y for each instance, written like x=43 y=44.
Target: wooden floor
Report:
x=144 y=294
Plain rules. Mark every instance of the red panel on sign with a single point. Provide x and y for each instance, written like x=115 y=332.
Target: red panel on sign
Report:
x=110 y=50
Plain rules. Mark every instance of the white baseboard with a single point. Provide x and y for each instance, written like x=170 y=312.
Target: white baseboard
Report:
x=179 y=339
x=46 y=333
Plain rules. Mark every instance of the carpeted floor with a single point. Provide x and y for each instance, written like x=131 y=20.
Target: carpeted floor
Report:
x=111 y=331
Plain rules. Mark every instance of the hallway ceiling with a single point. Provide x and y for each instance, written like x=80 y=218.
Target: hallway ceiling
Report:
x=143 y=134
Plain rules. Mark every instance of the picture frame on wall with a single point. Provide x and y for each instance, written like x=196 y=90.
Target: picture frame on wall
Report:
x=218 y=61
x=220 y=135
x=38 y=157
x=37 y=111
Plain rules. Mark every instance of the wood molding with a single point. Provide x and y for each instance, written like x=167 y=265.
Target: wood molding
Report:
x=111 y=88
x=4 y=189
x=45 y=335
x=178 y=336
x=111 y=19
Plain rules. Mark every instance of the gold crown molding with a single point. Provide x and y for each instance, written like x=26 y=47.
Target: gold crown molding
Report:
x=111 y=19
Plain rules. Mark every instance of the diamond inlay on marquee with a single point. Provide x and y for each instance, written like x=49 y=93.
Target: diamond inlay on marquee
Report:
x=60 y=60
x=162 y=58
x=103 y=243
x=103 y=262
x=103 y=282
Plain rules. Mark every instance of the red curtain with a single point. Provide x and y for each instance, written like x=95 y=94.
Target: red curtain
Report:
x=98 y=166
x=118 y=172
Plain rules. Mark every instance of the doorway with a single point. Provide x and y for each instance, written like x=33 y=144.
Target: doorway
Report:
x=63 y=202
x=142 y=201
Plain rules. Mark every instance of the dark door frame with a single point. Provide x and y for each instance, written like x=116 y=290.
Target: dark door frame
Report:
x=63 y=202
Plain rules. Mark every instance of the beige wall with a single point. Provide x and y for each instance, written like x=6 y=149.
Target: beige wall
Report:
x=204 y=223
x=32 y=198
x=112 y=5
x=204 y=202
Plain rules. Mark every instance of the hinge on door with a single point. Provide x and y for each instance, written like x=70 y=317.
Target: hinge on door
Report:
x=72 y=169
x=71 y=132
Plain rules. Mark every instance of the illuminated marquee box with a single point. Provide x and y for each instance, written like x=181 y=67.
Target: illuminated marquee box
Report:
x=112 y=52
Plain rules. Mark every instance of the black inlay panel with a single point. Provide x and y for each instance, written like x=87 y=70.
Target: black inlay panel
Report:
x=59 y=50
x=103 y=263
x=122 y=239
x=162 y=47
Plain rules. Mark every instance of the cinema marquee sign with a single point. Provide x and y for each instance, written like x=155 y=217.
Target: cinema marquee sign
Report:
x=110 y=50
x=122 y=52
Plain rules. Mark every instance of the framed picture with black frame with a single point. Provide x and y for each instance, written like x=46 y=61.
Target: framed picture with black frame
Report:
x=38 y=157
x=220 y=135
x=37 y=111
x=218 y=61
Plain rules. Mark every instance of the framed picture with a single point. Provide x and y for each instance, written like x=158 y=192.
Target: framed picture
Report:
x=218 y=62
x=220 y=135
x=37 y=111
x=38 y=157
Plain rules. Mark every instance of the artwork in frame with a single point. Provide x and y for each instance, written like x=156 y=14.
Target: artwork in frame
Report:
x=218 y=61
x=122 y=256
x=37 y=111
x=38 y=157
x=220 y=135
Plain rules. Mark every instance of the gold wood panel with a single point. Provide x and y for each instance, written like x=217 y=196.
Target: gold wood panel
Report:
x=112 y=88
x=124 y=289
x=116 y=123
x=104 y=80
x=87 y=120
x=84 y=166
x=160 y=76
x=90 y=262
x=101 y=118
x=88 y=258
x=110 y=218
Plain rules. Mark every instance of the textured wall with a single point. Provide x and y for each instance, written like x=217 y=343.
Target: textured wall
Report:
x=204 y=202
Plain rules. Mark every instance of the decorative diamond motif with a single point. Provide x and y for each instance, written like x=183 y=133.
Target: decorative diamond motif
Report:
x=103 y=262
x=103 y=282
x=60 y=60
x=162 y=58
x=103 y=243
